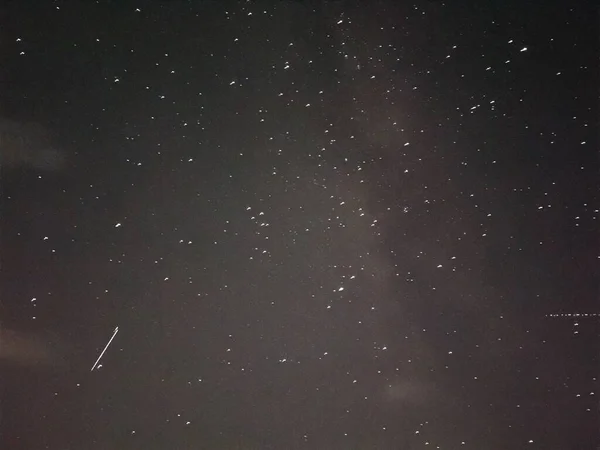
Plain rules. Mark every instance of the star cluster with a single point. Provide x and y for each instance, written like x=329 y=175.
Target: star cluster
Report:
x=300 y=225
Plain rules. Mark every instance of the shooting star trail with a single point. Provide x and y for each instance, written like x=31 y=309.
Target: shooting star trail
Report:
x=109 y=341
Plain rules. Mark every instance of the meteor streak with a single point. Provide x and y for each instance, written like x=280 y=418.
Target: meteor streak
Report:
x=109 y=341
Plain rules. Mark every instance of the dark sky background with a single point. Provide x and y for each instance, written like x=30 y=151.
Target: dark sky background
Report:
x=316 y=225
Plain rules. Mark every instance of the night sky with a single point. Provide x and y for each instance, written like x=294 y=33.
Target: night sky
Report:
x=299 y=225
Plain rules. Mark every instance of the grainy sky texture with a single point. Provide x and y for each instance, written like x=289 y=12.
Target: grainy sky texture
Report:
x=299 y=225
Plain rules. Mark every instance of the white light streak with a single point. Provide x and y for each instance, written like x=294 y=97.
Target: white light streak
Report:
x=101 y=354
